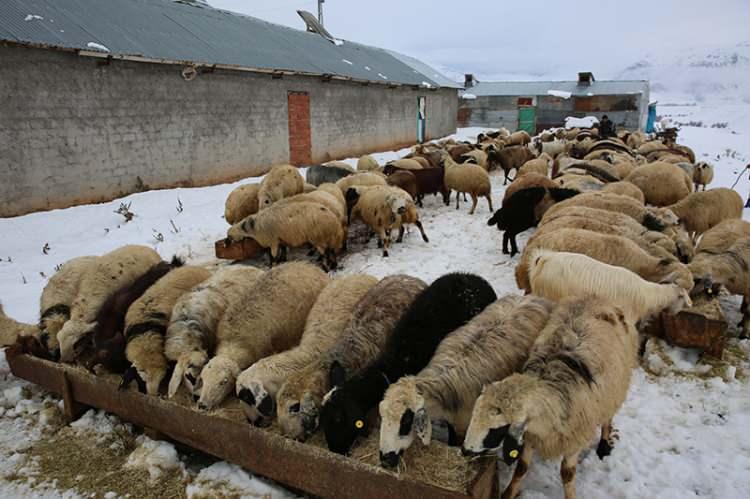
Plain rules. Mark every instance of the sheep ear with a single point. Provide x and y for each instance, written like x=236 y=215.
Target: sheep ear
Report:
x=423 y=426
x=561 y=194
x=337 y=374
x=176 y=380
x=670 y=278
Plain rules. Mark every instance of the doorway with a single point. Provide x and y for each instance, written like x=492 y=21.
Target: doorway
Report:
x=300 y=141
x=421 y=119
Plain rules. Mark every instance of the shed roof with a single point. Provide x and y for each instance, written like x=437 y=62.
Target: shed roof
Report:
x=530 y=88
x=165 y=30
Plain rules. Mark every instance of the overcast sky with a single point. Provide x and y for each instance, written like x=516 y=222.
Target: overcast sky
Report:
x=521 y=39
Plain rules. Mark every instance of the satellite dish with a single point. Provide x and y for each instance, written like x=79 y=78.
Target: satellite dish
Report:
x=313 y=26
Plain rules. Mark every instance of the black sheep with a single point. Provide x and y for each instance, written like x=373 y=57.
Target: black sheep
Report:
x=319 y=174
x=447 y=304
x=518 y=213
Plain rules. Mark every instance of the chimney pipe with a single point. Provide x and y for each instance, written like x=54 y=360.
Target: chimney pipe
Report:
x=469 y=80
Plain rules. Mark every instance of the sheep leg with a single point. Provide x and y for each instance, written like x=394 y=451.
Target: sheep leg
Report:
x=505 y=180
x=568 y=475
x=513 y=247
x=421 y=229
x=282 y=255
x=506 y=238
x=386 y=241
x=458 y=196
x=522 y=467
x=272 y=255
x=607 y=441
x=400 y=238
x=489 y=200
x=464 y=197
x=419 y=200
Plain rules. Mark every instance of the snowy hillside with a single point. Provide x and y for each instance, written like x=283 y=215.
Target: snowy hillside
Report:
x=705 y=74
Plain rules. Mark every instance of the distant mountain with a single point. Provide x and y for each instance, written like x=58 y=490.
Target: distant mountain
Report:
x=700 y=74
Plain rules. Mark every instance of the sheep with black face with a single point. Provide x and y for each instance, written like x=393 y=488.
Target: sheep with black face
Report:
x=448 y=303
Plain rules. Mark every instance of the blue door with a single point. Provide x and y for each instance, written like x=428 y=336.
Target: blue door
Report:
x=421 y=119
x=651 y=118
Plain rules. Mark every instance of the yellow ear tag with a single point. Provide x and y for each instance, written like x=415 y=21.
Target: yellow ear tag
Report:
x=359 y=424
x=513 y=453
x=709 y=291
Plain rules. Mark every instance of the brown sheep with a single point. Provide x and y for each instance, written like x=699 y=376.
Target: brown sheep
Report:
x=662 y=183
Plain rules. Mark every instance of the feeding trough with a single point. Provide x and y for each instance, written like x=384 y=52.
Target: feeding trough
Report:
x=224 y=434
x=701 y=326
x=236 y=250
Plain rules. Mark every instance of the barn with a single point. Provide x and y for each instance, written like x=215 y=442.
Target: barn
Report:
x=103 y=98
x=536 y=105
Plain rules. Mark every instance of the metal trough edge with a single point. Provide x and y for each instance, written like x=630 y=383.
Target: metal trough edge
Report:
x=291 y=463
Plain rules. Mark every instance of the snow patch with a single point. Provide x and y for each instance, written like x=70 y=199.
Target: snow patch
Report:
x=155 y=456
x=383 y=76
x=31 y=17
x=468 y=96
x=337 y=42
x=97 y=46
x=223 y=479
x=559 y=93
x=368 y=68
x=587 y=122
x=426 y=84
x=347 y=61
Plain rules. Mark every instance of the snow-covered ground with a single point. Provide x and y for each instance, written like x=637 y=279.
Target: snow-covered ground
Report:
x=682 y=435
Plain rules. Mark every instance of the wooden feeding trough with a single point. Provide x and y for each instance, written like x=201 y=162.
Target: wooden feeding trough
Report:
x=236 y=250
x=702 y=326
x=224 y=434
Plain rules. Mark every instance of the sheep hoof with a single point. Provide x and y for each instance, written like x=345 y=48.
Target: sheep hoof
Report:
x=505 y=251
x=604 y=449
x=385 y=254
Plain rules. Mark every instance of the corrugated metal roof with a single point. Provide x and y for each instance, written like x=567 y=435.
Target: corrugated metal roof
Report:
x=162 y=29
x=531 y=88
x=425 y=69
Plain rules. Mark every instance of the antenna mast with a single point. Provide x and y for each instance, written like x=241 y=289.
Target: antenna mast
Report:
x=320 y=11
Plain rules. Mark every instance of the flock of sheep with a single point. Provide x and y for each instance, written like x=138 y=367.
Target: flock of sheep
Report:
x=617 y=221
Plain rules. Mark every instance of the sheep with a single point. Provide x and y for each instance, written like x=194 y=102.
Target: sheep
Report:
x=406 y=164
x=402 y=204
x=653 y=243
x=651 y=218
x=508 y=159
x=723 y=235
x=372 y=322
x=424 y=162
x=104 y=345
x=477 y=156
x=702 y=175
x=241 y=202
x=636 y=139
x=555 y=275
x=579 y=372
x=429 y=181
x=688 y=168
x=518 y=138
x=110 y=272
x=700 y=211
x=615 y=250
x=491 y=346
x=594 y=219
x=280 y=182
x=320 y=174
x=459 y=150
x=467 y=178
x=539 y=165
x=325 y=197
x=294 y=225
x=191 y=334
x=11 y=330
x=146 y=325
x=600 y=170
x=730 y=268
x=370 y=204
x=367 y=178
x=271 y=321
x=404 y=180
x=625 y=188
x=662 y=183
x=367 y=163
x=447 y=304
x=522 y=211
x=580 y=183
x=258 y=385
x=554 y=148
x=308 y=188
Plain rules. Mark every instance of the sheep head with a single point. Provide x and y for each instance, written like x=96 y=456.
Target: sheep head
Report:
x=72 y=338
x=216 y=381
x=187 y=369
x=402 y=415
x=681 y=301
x=500 y=417
x=148 y=360
x=242 y=229
x=257 y=401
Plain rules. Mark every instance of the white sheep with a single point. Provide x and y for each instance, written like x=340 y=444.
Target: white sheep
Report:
x=111 y=272
x=367 y=163
x=258 y=385
x=280 y=182
x=491 y=346
x=662 y=183
x=293 y=225
x=467 y=178
x=191 y=335
x=576 y=379
x=146 y=324
x=703 y=174
x=366 y=178
x=556 y=275
x=373 y=320
x=271 y=321
x=700 y=211
x=241 y=202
